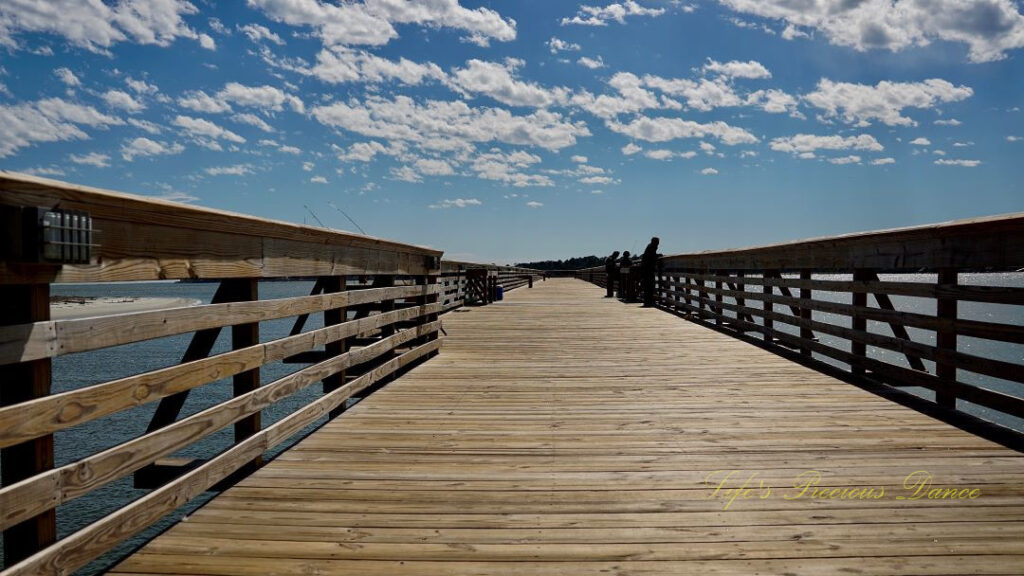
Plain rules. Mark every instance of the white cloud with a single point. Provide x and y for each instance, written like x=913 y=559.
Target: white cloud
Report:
x=207 y=42
x=68 y=77
x=809 y=143
x=406 y=174
x=591 y=63
x=457 y=203
x=340 y=65
x=534 y=204
x=598 y=180
x=665 y=129
x=261 y=97
x=233 y=170
x=362 y=151
x=579 y=159
x=48 y=120
x=507 y=168
x=709 y=172
x=198 y=127
x=318 y=180
x=630 y=149
x=851 y=159
x=1014 y=138
x=861 y=103
x=602 y=15
x=200 y=101
x=141 y=86
x=556 y=45
x=95 y=25
x=962 y=144
x=961 y=163
x=990 y=28
x=308 y=166
x=703 y=95
x=433 y=167
x=921 y=141
x=441 y=125
x=883 y=161
x=498 y=81
x=144 y=125
x=258 y=33
x=123 y=101
x=737 y=69
x=146 y=147
x=660 y=154
x=950 y=122
x=253 y=120
x=371 y=23
x=92 y=159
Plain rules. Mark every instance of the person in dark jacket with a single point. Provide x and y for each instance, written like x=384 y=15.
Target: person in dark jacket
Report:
x=648 y=269
x=611 y=271
x=625 y=290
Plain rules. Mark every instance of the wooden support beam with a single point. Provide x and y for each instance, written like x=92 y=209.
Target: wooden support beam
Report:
x=766 y=289
x=945 y=339
x=332 y=284
x=24 y=381
x=300 y=321
x=243 y=336
x=719 y=311
x=806 y=335
x=898 y=330
x=858 y=323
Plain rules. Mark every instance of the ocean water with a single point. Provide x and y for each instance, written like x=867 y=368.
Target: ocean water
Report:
x=79 y=370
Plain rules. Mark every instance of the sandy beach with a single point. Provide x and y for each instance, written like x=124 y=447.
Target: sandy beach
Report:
x=76 y=307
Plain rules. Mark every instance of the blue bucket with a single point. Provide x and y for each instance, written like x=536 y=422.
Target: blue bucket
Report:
x=500 y=294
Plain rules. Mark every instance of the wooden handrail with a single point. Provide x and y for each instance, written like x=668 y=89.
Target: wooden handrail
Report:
x=788 y=297
x=379 y=300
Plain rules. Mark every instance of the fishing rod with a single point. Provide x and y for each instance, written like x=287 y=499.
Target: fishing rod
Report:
x=360 y=228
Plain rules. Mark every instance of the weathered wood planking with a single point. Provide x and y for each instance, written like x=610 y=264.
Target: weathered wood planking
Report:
x=564 y=433
x=146 y=239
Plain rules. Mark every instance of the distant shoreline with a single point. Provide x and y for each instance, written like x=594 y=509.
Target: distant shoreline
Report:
x=68 y=307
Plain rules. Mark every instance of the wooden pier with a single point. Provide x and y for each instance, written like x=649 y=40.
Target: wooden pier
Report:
x=756 y=421
x=562 y=432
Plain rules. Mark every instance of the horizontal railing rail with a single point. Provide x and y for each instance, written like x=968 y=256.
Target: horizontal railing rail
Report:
x=372 y=313
x=461 y=281
x=898 y=307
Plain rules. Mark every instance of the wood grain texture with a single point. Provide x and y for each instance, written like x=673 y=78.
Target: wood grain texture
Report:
x=564 y=433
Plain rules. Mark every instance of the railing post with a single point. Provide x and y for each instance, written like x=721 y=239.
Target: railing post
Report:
x=243 y=336
x=945 y=338
x=21 y=304
x=719 y=313
x=767 y=305
x=806 y=334
x=333 y=285
x=859 y=323
x=740 y=300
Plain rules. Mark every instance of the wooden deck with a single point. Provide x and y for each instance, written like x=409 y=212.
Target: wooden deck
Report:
x=563 y=433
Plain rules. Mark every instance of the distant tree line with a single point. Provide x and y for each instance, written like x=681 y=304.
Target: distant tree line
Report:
x=569 y=264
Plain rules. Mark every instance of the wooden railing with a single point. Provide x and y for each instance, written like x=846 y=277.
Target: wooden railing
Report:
x=378 y=301
x=896 y=307
x=466 y=283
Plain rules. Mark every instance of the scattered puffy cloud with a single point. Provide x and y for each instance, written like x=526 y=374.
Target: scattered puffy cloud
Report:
x=253 y=120
x=199 y=127
x=433 y=167
x=233 y=170
x=883 y=161
x=884 y=102
x=602 y=15
x=809 y=143
x=123 y=101
x=851 y=159
x=95 y=25
x=341 y=64
x=1014 y=138
x=67 y=77
x=709 y=172
x=556 y=45
x=949 y=122
x=665 y=129
x=921 y=141
x=441 y=125
x=372 y=23
x=146 y=147
x=961 y=163
x=630 y=149
x=91 y=159
x=737 y=69
x=507 y=167
x=534 y=204
x=261 y=97
x=989 y=27
x=499 y=82
x=591 y=63
x=457 y=203
x=207 y=42
x=258 y=34
x=48 y=120
x=318 y=180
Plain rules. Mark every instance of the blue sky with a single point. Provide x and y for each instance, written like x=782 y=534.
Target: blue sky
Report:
x=519 y=130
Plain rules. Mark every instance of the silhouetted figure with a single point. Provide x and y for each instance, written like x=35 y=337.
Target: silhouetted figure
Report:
x=625 y=281
x=611 y=271
x=648 y=268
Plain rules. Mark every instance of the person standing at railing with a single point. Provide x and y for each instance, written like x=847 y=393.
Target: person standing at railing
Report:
x=648 y=268
x=625 y=287
x=611 y=272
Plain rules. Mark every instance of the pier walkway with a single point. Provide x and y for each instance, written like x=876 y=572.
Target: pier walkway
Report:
x=560 y=432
